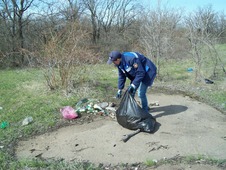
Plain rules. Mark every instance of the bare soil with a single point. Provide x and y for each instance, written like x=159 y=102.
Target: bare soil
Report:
x=185 y=128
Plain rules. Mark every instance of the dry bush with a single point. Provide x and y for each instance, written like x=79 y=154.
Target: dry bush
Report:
x=65 y=55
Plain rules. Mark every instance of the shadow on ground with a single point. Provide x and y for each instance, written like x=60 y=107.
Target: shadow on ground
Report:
x=168 y=110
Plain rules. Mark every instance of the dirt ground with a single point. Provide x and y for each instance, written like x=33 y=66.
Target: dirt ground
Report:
x=186 y=127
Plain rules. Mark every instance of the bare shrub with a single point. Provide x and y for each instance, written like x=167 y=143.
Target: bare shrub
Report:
x=65 y=55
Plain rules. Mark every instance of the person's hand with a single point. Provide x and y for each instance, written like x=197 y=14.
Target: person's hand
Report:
x=119 y=94
x=132 y=89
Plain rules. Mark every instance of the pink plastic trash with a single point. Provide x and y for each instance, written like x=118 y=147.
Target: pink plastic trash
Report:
x=68 y=112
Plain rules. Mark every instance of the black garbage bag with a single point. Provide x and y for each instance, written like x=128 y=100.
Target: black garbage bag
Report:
x=131 y=116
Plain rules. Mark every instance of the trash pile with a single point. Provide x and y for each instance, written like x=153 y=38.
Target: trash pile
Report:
x=85 y=105
x=90 y=106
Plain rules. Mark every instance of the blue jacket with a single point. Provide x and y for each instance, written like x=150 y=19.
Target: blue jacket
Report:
x=137 y=68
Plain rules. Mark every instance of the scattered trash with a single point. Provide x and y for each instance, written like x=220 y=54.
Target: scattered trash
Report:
x=68 y=112
x=111 y=109
x=156 y=103
x=83 y=110
x=190 y=70
x=91 y=106
x=1 y=147
x=112 y=115
x=96 y=107
x=112 y=105
x=1 y=108
x=4 y=125
x=103 y=105
x=85 y=105
x=101 y=113
x=27 y=121
x=208 y=81
x=81 y=103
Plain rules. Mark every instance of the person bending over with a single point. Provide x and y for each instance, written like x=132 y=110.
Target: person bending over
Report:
x=139 y=69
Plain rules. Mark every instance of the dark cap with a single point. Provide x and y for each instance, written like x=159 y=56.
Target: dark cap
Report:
x=114 y=55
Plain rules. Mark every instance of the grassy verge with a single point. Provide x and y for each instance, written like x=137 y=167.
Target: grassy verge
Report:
x=191 y=159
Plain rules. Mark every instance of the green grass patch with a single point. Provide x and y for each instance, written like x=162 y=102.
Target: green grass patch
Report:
x=177 y=70
x=150 y=163
x=190 y=160
x=217 y=97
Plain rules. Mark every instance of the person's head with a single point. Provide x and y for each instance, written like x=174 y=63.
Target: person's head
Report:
x=114 y=57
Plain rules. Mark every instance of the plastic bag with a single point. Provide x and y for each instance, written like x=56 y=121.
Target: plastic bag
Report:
x=131 y=116
x=68 y=112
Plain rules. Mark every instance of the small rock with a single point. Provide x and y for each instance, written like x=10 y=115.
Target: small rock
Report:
x=47 y=148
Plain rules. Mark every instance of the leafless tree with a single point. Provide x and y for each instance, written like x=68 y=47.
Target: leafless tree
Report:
x=13 y=14
x=111 y=14
x=222 y=27
x=128 y=14
x=92 y=6
x=71 y=10
x=158 y=33
x=202 y=34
